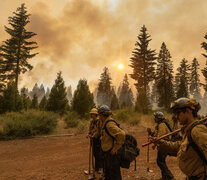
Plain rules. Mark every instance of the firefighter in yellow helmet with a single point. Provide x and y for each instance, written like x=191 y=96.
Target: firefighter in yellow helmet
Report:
x=192 y=149
x=95 y=134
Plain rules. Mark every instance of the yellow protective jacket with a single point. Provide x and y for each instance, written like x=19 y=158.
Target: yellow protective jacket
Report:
x=161 y=129
x=107 y=142
x=189 y=161
x=95 y=128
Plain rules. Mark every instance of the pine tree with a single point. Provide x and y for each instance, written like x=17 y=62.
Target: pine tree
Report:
x=204 y=46
x=11 y=98
x=104 y=89
x=26 y=102
x=164 y=78
x=114 y=100
x=82 y=101
x=43 y=103
x=57 y=101
x=16 y=50
x=142 y=62
x=125 y=96
x=34 y=104
x=195 y=80
x=182 y=78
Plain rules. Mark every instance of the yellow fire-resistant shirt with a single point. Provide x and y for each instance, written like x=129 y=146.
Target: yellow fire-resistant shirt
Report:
x=189 y=161
x=95 y=128
x=107 y=142
x=161 y=129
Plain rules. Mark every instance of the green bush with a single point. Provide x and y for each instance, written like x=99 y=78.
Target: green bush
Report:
x=122 y=115
x=71 y=119
x=26 y=124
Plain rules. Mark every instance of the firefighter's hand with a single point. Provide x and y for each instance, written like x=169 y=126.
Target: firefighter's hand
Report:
x=149 y=131
x=153 y=147
x=114 y=151
x=153 y=140
x=88 y=136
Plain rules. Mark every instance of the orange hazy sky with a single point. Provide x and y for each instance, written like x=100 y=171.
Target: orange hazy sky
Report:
x=81 y=37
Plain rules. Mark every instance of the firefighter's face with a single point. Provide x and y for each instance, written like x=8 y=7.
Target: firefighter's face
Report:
x=183 y=116
x=93 y=116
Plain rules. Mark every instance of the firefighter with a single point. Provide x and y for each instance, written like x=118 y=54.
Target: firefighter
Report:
x=162 y=127
x=95 y=134
x=112 y=138
x=192 y=149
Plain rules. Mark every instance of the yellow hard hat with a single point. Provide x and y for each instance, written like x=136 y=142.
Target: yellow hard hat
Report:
x=94 y=111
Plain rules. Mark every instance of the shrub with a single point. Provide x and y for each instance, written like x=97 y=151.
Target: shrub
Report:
x=122 y=115
x=71 y=119
x=26 y=124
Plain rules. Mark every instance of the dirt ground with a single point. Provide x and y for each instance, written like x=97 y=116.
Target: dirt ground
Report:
x=61 y=158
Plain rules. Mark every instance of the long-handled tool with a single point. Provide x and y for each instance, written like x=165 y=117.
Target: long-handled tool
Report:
x=91 y=176
x=148 y=155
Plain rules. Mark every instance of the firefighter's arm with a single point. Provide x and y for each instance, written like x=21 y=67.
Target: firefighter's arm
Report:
x=118 y=134
x=199 y=136
x=169 y=146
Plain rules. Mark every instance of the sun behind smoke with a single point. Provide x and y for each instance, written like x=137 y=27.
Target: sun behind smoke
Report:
x=120 y=66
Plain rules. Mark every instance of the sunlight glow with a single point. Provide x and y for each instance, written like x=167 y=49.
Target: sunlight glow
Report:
x=120 y=66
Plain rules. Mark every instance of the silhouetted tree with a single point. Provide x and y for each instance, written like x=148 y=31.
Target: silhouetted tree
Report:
x=34 y=104
x=11 y=98
x=16 y=50
x=26 y=102
x=164 y=78
x=204 y=72
x=104 y=89
x=82 y=101
x=195 y=80
x=43 y=103
x=142 y=63
x=57 y=101
x=125 y=95
x=182 y=78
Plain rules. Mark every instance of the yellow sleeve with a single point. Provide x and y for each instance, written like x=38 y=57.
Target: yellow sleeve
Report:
x=199 y=136
x=162 y=130
x=117 y=133
x=169 y=146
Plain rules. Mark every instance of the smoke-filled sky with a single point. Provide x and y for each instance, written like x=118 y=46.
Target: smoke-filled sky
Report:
x=81 y=37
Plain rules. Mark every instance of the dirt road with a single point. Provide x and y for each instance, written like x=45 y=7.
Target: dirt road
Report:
x=65 y=158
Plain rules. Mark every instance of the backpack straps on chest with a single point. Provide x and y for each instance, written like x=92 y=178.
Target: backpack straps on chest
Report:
x=193 y=144
x=168 y=125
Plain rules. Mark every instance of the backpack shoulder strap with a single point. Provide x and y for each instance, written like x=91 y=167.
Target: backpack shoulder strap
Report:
x=107 y=132
x=168 y=125
x=193 y=144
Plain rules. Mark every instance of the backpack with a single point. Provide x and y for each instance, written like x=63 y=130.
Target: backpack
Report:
x=193 y=144
x=129 y=150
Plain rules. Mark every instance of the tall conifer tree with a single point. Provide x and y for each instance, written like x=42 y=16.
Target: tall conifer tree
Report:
x=142 y=63
x=114 y=100
x=82 y=101
x=195 y=80
x=17 y=49
x=125 y=96
x=57 y=101
x=104 y=89
x=164 y=78
x=182 y=78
